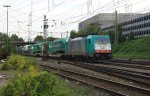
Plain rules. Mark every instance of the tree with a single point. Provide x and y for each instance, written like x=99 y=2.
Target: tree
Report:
x=3 y=37
x=14 y=37
x=131 y=35
x=92 y=29
x=121 y=37
x=38 y=38
x=81 y=33
x=21 y=39
x=73 y=34
x=111 y=36
x=50 y=39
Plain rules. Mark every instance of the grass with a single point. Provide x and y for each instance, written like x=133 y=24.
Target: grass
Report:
x=70 y=88
x=138 y=48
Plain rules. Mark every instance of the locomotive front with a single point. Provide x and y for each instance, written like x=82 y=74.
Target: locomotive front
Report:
x=102 y=47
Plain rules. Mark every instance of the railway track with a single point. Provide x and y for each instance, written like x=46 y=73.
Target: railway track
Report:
x=129 y=65
x=141 y=78
x=131 y=61
x=109 y=85
x=135 y=76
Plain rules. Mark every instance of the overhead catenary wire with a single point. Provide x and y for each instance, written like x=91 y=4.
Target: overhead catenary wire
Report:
x=68 y=20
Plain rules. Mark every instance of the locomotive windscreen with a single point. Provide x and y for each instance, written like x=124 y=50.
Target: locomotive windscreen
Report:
x=102 y=43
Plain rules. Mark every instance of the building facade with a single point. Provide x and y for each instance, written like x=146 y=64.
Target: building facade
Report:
x=139 y=25
x=106 y=19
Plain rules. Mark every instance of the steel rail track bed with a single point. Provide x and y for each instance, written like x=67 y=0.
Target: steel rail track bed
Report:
x=114 y=87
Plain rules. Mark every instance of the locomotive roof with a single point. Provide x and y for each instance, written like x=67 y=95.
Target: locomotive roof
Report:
x=90 y=36
x=61 y=39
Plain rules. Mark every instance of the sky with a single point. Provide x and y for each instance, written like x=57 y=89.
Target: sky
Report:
x=62 y=15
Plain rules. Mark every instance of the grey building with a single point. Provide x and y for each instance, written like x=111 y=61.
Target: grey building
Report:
x=139 y=25
x=106 y=19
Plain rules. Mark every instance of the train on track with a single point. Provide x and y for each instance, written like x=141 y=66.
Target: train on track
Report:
x=91 y=47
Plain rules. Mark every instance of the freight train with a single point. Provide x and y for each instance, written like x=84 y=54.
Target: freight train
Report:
x=91 y=47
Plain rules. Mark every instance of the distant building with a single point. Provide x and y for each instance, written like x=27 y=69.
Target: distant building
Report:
x=139 y=25
x=105 y=19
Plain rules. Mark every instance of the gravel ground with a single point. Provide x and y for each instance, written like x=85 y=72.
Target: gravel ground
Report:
x=3 y=79
x=92 y=92
x=2 y=82
x=82 y=70
x=101 y=75
x=125 y=68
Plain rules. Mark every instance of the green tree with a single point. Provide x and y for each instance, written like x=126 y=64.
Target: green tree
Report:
x=50 y=39
x=92 y=29
x=14 y=37
x=38 y=38
x=81 y=33
x=111 y=36
x=3 y=37
x=73 y=34
x=121 y=37
x=131 y=35
x=21 y=39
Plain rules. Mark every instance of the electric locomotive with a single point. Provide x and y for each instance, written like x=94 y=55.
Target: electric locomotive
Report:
x=94 y=47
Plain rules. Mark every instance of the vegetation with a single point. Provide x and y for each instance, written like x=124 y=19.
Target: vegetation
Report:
x=137 y=48
x=131 y=36
x=32 y=81
x=91 y=29
x=39 y=38
x=50 y=39
x=11 y=47
x=14 y=37
x=17 y=62
x=40 y=84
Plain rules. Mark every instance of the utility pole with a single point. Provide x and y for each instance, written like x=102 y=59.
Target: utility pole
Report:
x=48 y=5
x=67 y=34
x=29 y=33
x=45 y=28
x=7 y=25
x=30 y=23
x=18 y=28
x=116 y=30
x=61 y=34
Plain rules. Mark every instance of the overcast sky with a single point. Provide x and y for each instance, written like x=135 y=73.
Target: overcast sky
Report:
x=62 y=15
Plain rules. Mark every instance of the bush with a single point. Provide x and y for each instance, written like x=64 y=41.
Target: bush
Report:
x=40 y=84
x=17 y=62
